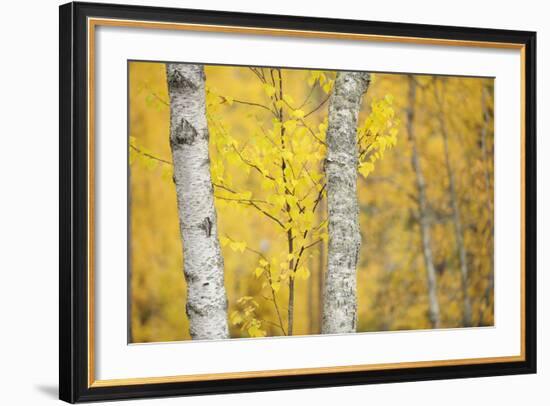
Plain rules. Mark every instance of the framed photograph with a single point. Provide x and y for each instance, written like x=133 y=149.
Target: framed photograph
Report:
x=259 y=202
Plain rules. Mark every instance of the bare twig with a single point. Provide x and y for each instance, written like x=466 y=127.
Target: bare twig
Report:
x=164 y=161
x=248 y=201
x=318 y=107
x=249 y=104
x=312 y=132
x=253 y=204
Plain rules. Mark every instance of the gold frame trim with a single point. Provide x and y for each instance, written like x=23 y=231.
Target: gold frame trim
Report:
x=94 y=22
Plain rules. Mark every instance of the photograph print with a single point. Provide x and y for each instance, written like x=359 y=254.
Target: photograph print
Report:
x=272 y=201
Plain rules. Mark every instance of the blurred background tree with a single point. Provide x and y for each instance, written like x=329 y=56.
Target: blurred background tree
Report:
x=267 y=146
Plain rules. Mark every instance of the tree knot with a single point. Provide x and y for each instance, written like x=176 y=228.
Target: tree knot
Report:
x=183 y=133
x=177 y=80
x=206 y=225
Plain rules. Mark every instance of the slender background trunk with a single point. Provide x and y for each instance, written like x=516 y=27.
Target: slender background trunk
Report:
x=320 y=288
x=278 y=73
x=320 y=274
x=457 y=223
x=203 y=263
x=340 y=302
x=423 y=211
x=485 y=94
x=310 y=299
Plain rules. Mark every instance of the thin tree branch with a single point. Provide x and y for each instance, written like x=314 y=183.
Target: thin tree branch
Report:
x=312 y=132
x=318 y=107
x=257 y=73
x=319 y=197
x=308 y=96
x=246 y=161
x=253 y=204
x=224 y=100
x=269 y=280
x=164 y=161
x=248 y=201
x=312 y=244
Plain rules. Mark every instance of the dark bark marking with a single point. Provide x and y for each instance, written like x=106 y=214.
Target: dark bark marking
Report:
x=177 y=80
x=184 y=133
x=206 y=225
x=191 y=309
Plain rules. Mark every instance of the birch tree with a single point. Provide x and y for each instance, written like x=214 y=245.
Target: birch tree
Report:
x=457 y=222
x=203 y=263
x=422 y=203
x=340 y=302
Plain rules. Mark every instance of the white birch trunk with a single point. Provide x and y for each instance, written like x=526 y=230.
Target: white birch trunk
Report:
x=340 y=302
x=425 y=233
x=203 y=263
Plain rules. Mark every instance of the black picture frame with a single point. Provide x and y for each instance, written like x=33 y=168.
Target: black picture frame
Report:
x=73 y=255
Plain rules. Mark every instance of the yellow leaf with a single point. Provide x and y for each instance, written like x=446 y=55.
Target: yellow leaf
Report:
x=246 y=195
x=244 y=299
x=291 y=200
x=290 y=125
x=307 y=219
x=267 y=184
x=238 y=246
x=298 y=113
x=166 y=172
x=300 y=132
x=276 y=286
x=365 y=168
x=302 y=272
x=150 y=163
x=133 y=156
x=236 y=318
x=327 y=87
x=287 y=155
x=258 y=272
x=313 y=76
x=255 y=331
x=224 y=241
x=277 y=200
x=269 y=90
x=288 y=99
x=233 y=158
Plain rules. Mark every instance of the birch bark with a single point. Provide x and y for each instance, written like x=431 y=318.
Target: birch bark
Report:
x=340 y=302
x=424 y=222
x=203 y=263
